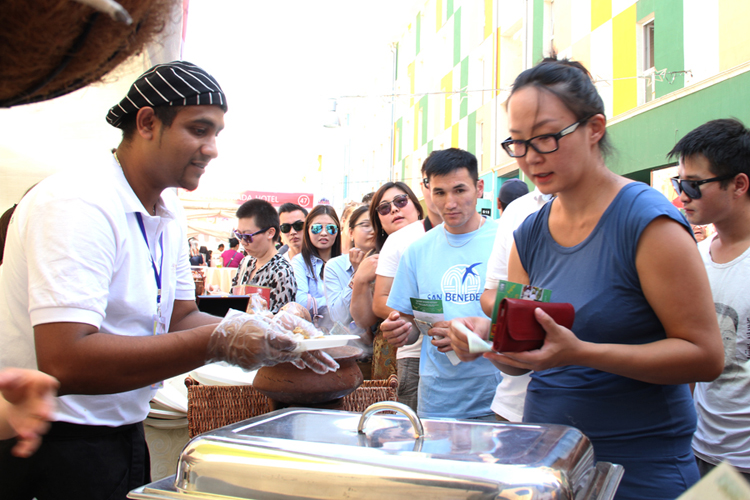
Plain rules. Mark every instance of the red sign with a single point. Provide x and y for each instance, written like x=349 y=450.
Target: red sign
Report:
x=278 y=199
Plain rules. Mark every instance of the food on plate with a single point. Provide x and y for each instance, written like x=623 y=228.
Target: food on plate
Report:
x=298 y=310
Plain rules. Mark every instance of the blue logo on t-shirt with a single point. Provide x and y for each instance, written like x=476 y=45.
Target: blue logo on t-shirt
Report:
x=461 y=284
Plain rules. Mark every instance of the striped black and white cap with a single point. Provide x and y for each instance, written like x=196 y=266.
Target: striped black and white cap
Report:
x=178 y=83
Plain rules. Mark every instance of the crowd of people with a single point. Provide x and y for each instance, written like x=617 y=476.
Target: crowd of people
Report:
x=655 y=369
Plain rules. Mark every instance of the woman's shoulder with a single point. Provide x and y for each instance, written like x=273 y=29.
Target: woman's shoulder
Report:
x=640 y=202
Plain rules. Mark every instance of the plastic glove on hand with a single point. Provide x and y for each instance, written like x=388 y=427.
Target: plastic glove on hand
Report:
x=249 y=341
x=318 y=361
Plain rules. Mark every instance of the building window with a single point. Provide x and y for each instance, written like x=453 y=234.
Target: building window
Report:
x=648 y=66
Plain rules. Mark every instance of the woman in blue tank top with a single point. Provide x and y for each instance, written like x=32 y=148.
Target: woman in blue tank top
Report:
x=618 y=251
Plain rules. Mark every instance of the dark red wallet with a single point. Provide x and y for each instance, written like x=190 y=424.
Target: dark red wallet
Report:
x=518 y=330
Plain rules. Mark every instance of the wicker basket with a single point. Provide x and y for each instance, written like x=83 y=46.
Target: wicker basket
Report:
x=214 y=406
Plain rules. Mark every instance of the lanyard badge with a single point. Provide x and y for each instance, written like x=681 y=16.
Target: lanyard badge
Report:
x=159 y=321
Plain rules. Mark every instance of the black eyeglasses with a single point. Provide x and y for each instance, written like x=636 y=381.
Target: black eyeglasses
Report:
x=426 y=182
x=399 y=201
x=693 y=188
x=542 y=144
x=331 y=229
x=248 y=237
x=297 y=225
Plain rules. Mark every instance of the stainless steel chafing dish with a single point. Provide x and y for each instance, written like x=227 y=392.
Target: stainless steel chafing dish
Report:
x=327 y=454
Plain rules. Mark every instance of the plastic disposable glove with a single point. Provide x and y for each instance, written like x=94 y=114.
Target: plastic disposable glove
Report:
x=289 y=322
x=250 y=341
x=318 y=361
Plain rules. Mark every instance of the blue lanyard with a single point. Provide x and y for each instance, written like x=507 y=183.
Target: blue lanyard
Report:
x=157 y=274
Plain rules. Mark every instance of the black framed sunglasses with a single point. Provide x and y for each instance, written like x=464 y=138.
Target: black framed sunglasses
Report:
x=331 y=229
x=399 y=201
x=248 y=237
x=426 y=183
x=692 y=188
x=297 y=225
x=542 y=144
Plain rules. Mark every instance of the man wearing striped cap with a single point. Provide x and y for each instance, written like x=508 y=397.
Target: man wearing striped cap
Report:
x=97 y=291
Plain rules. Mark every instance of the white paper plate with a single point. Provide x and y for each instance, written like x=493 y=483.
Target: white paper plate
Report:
x=174 y=394
x=158 y=423
x=223 y=374
x=324 y=342
x=165 y=414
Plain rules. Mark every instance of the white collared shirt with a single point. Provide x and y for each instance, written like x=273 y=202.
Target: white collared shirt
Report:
x=75 y=253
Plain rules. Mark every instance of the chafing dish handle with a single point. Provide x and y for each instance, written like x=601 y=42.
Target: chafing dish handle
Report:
x=393 y=406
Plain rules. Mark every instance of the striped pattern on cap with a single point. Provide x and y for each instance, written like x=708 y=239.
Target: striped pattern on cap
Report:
x=178 y=83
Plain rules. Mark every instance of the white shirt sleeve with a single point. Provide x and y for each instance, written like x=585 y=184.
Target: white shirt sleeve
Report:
x=389 y=256
x=337 y=292
x=497 y=267
x=70 y=248
x=300 y=275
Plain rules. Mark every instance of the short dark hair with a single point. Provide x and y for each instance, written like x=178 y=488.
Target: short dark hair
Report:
x=725 y=143
x=368 y=197
x=291 y=207
x=570 y=82
x=233 y=242
x=445 y=161
x=165 y=114
x=263 y=214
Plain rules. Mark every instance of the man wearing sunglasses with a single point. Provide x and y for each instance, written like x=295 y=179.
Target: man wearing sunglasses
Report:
x=257 y=227
x=448 y=264
x=292 y=219
x=714 y=187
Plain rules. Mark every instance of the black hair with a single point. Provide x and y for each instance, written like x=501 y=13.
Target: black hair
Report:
x=725 y=143
x=291 y=207
x=308 y=249
x=233 y=242
x=570 y=82
x=380 y=234
x=263 y=214
x=368 y=197
x=165 y=114
x=356 y=214
x=445 y=161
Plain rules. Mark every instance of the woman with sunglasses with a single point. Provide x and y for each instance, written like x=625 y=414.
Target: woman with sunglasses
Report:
x=623 y=256
x=321 y=242
x=394 y=206
x=257 y=229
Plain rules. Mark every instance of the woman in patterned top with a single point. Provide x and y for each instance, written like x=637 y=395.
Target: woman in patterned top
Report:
x=257 y=228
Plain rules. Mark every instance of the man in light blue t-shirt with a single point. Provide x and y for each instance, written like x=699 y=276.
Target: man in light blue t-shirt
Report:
x=447 y=265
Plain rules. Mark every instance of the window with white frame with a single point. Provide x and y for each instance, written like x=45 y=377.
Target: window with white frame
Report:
x=647 y=91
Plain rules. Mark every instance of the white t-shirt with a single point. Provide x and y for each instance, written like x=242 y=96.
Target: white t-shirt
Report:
x=723 y=406
x=514 y=214
x=75 y=253
x=511 y=392
x=390 y=255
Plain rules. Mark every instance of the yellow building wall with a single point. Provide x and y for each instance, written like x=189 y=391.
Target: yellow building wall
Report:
x=625 y=61
x=446 y=85
x=734 y=35
x=601 y=12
